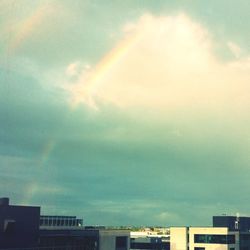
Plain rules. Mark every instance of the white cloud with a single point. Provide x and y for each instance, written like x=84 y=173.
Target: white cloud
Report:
x=75 y=69
x=165 y=63
x=234 y=48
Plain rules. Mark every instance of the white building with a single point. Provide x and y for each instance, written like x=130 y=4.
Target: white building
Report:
x=203 y=238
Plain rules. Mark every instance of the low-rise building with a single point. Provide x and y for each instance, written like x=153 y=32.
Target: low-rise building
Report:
x=22 y=227
x=203 y=238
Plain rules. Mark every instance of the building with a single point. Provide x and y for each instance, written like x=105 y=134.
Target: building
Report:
x=152 y=240
x=203 y=238
x=233 y=223
x=89 y=239
x=150 y=243
x=19 y=225
x=23 y=227
x=236 y=223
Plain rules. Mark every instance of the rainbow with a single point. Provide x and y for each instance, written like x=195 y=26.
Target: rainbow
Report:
x=84 y=91
x=25 y=28
x=33 y=187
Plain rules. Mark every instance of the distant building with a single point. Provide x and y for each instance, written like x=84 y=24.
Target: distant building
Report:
x=150 y=240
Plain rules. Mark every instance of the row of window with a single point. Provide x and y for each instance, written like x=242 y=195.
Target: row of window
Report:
x=214 y=238
x=60 y=222
x=203 y=248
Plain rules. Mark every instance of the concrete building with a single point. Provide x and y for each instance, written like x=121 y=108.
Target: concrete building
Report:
x=203 y=238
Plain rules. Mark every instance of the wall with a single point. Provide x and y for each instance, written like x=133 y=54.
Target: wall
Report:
x=19 y=226
x=210 y=246
x=107 y=239
x=178 y=238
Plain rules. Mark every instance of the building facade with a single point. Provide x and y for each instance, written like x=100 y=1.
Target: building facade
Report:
x=152 y=240
x=233 y=223
x=22 y=227
x=19 y=225
x=203 y=238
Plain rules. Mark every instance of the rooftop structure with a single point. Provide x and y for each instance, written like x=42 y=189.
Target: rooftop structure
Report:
x=60 y=221
x=233 y=223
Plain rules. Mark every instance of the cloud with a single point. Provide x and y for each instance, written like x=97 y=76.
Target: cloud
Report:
x=28 y=23
x=159 y=163
x=165 y=63
x=235 y=49
x=26 y=27
x=73 y=69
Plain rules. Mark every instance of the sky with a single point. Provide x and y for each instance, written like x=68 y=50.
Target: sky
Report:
x=126 y=112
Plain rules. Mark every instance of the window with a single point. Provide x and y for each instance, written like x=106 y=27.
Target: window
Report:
x=121 y=242
x=199 y=238
x=214 y=238
x=230 y=239
x=199 y=248
x=54 y=221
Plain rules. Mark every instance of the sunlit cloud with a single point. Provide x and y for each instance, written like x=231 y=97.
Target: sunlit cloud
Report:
x=235 y=49
x=167 y=62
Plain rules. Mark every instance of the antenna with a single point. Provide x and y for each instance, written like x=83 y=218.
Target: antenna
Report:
x=237 y=221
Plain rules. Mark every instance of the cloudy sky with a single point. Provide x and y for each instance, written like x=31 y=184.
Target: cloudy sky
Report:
x=126 y=112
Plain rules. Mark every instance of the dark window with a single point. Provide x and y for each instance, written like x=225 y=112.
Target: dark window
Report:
x=66 y=222
x=50 y=221
x=121 y=242
x=199 y=248
x=230 y=239
x=245 y=237
x=200 y=238
x=214 y=238
x=54 y=222
x=70 y=222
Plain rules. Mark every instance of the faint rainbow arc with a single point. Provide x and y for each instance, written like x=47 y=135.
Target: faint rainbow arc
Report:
x=27 y=26
x=32 y=187
x=93 y=81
